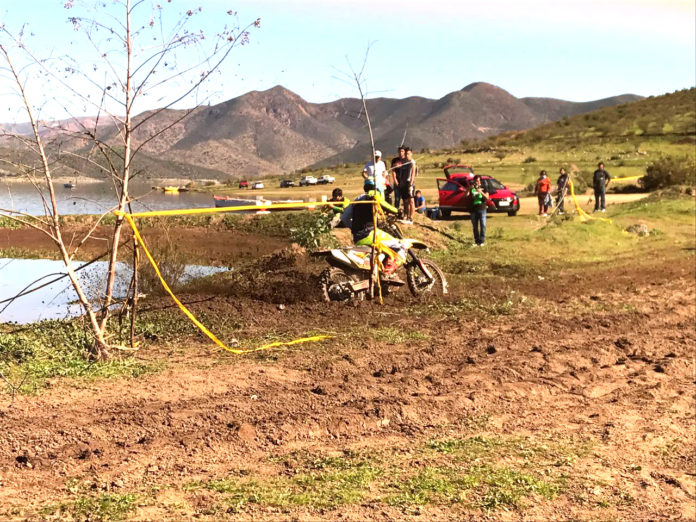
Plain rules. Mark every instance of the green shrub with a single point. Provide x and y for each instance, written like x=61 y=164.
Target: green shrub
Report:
x=669 y=171
x=6 y=222
x=32 y=354
x=529 y=159
x=314 y=231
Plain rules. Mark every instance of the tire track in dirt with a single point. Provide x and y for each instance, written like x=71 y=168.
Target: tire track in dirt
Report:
x=622 y=378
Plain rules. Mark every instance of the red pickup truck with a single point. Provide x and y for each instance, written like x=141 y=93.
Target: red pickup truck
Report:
x=454 y=192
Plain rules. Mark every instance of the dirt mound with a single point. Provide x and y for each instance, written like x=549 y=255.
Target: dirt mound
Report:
x=286 y=276
x=284 y=259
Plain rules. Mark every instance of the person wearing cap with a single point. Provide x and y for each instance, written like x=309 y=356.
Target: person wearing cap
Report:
x=376 y=170
x=358 y=217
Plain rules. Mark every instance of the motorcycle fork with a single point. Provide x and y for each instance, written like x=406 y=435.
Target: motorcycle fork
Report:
x=420 y=264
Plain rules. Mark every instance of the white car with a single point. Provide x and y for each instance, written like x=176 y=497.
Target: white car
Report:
x=326 y=178
x=257 y=185
x=308 y=180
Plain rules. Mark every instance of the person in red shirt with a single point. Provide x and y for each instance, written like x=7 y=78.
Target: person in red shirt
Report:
x=542 y=189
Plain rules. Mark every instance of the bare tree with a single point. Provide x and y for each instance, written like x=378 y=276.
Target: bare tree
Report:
x=142 y=51
x=358 y=77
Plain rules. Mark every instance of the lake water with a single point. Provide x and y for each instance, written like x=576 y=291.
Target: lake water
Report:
x=97 y=198
x=57 y=300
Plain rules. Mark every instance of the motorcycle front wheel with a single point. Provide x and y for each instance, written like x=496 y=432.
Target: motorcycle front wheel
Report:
x=335 y=286
x=420 y=285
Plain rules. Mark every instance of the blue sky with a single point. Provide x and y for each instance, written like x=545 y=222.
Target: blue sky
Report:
x=570 y=49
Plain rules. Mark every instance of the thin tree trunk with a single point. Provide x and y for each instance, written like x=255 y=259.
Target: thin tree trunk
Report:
x=124 y=199
x=100 y=345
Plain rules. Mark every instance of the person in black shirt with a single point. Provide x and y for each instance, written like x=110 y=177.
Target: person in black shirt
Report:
x=394 y=174
x=405 y=179
x=561 y=191
x=600 y=182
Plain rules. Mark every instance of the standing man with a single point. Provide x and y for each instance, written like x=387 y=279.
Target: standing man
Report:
x=479 y=200
x=394 y=174
x=406 y=181
x=600 y=181
x=561 y=191
x=376 y=170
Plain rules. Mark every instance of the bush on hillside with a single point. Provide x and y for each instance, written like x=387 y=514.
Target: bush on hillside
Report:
x=669 y=171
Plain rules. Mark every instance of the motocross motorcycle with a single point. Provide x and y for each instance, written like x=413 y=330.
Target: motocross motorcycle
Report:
x=348 y=277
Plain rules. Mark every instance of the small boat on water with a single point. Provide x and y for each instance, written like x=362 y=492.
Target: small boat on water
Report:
x=69 y=185
x=228 y=201
x=171 y=189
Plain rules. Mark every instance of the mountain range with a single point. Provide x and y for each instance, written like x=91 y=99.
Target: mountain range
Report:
x=277 y=131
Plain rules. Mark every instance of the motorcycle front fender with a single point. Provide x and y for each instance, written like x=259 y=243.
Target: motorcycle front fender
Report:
x=414 y=243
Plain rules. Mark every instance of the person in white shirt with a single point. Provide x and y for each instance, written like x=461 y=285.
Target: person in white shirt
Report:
x=376 y=170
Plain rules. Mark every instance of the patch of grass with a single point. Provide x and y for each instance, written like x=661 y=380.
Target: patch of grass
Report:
x=104 y=507
x=394 y=335
x=6 y=222
x=162 y=325
x=477 y=473
x=22 y=253
x=327 y=483
x=31 y=355
x=489 y=305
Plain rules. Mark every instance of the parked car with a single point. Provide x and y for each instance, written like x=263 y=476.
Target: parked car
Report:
x=323 y=180
x=286 y=183
x=243 y=184
x=257 y=185
x=454 y=192
x=308 y=180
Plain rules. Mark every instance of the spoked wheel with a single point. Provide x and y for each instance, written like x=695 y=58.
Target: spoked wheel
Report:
x=419 y=283
x=335 y=286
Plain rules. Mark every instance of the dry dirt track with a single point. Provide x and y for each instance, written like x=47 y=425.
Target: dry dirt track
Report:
x=615 y=367
x=529 y=205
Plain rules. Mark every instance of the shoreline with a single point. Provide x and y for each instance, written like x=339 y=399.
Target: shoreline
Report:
x=86 y=180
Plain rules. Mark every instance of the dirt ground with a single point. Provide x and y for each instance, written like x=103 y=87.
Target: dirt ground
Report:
x=609 y=363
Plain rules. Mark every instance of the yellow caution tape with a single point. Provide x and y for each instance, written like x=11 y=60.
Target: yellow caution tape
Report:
x=243 y=208
x=629 y=178
x=584 y=216
x=211 y=210
x=193 y=318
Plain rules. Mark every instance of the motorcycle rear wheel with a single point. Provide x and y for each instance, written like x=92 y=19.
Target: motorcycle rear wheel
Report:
x=334 y=286
x=418 y=282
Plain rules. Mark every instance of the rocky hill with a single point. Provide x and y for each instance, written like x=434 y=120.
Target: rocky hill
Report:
x=277 y=131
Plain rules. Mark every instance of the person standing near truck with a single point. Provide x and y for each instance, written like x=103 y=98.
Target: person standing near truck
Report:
x=479 y=200
x=600 y=182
